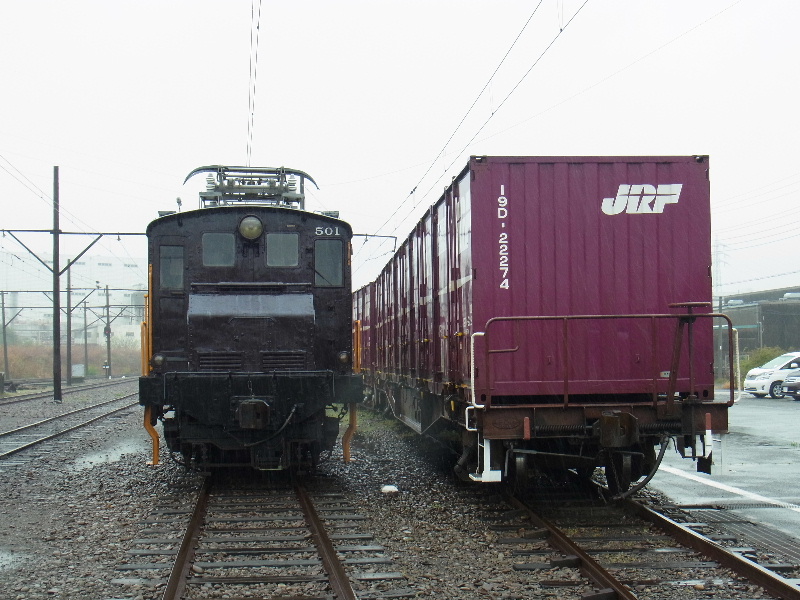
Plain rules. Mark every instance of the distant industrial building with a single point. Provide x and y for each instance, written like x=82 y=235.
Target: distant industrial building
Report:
x=765 y=319
x=26 y=289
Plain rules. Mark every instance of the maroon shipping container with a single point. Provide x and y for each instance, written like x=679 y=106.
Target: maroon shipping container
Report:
x=540 y=294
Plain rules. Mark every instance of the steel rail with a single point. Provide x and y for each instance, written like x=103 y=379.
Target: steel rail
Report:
x=68 y=430
x=66 y=414
x=339 y=582
x=72 y=390
x=176 y=584
x=589 y=567
x=772 y=582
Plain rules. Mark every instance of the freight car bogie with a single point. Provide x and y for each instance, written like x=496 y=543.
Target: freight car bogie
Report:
x=561 y=459
x=520 y=442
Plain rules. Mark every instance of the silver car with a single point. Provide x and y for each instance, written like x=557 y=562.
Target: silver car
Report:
x=791 y=384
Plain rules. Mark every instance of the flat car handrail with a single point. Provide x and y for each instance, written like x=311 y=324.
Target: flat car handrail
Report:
x=682 y=318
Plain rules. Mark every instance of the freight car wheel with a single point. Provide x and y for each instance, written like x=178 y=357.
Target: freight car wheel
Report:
x=618 y=473
x=520 y=474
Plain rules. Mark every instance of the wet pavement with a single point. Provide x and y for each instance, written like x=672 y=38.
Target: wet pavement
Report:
x=756 y=470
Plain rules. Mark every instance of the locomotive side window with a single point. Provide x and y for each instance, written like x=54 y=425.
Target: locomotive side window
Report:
x=328 y=263
x=282 y=249
x=219 y=249
x=171 y=267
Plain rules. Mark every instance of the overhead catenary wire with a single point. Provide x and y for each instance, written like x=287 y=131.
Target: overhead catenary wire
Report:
x=27 y=183
x=559 y=18
x=478 y=97
x=770 y=193
x=516 y=86
x=485 y=123
x=255 y=28
x=68 y=216
x=757 y=278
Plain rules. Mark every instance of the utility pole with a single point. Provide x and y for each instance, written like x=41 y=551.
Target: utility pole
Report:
x=69 y=322
x=85 y=345
x=5 y=341
x=57 y=397
x=108 y=335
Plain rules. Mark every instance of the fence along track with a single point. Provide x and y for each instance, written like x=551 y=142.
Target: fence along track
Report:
x=269 y=532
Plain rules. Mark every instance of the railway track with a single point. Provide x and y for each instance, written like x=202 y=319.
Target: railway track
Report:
x=628 y=551
x=273 y=542
x=27 y=436
x=70 y=390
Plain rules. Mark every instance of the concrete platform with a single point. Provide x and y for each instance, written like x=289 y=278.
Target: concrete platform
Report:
x=756 y=471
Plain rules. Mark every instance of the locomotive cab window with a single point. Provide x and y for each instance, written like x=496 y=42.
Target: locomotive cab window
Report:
x=282 y=249
x=328 y=263
x=219 y=249
x=170 y=267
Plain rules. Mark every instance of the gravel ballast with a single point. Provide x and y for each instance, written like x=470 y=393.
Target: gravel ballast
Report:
x=69 y=516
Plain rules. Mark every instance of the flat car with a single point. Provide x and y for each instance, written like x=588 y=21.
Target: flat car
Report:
x=553 y=312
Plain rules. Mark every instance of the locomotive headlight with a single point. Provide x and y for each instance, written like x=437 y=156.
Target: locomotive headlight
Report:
x=157 y=360
x=344 y=357
x=250 y=227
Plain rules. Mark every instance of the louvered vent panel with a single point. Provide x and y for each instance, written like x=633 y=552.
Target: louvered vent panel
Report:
x=283 y=361
x=220 y=361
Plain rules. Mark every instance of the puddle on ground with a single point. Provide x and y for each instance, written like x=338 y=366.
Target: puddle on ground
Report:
x=108 y=455
x=9 y=559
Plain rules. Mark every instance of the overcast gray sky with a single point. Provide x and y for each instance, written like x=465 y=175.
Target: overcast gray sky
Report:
x=128 y=97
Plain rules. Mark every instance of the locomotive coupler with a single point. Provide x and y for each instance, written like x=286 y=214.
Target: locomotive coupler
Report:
x=252 y=412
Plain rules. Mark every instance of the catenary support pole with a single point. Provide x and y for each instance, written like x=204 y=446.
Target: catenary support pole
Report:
x=5 y=340
x=108 y=336
x=85 y=344
x=69 y=322
x=57 y=397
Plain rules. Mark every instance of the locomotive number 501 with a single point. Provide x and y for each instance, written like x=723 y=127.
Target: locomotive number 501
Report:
x=326 y=231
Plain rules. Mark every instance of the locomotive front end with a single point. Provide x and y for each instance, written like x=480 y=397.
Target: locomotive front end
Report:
x=250 y=326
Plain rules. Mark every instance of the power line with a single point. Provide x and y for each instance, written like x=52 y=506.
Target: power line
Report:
x=758 y=278
x=27 y=183
x=597 y=83
x=612 y=75
x=474 y=102
x=781 y=238
x=750 y=203
x=255 y=28
x=69 y=216
x=499 y=106
x=413 y=191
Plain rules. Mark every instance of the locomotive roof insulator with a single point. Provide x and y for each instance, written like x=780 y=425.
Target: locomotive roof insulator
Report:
x=253 y=185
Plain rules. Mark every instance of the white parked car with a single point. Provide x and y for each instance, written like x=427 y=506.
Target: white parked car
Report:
x=768 y=378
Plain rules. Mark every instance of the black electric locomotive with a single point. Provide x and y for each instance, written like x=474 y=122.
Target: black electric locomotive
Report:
x=248 y=332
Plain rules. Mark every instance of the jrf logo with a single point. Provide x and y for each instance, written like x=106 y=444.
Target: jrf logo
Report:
x=642 y=199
